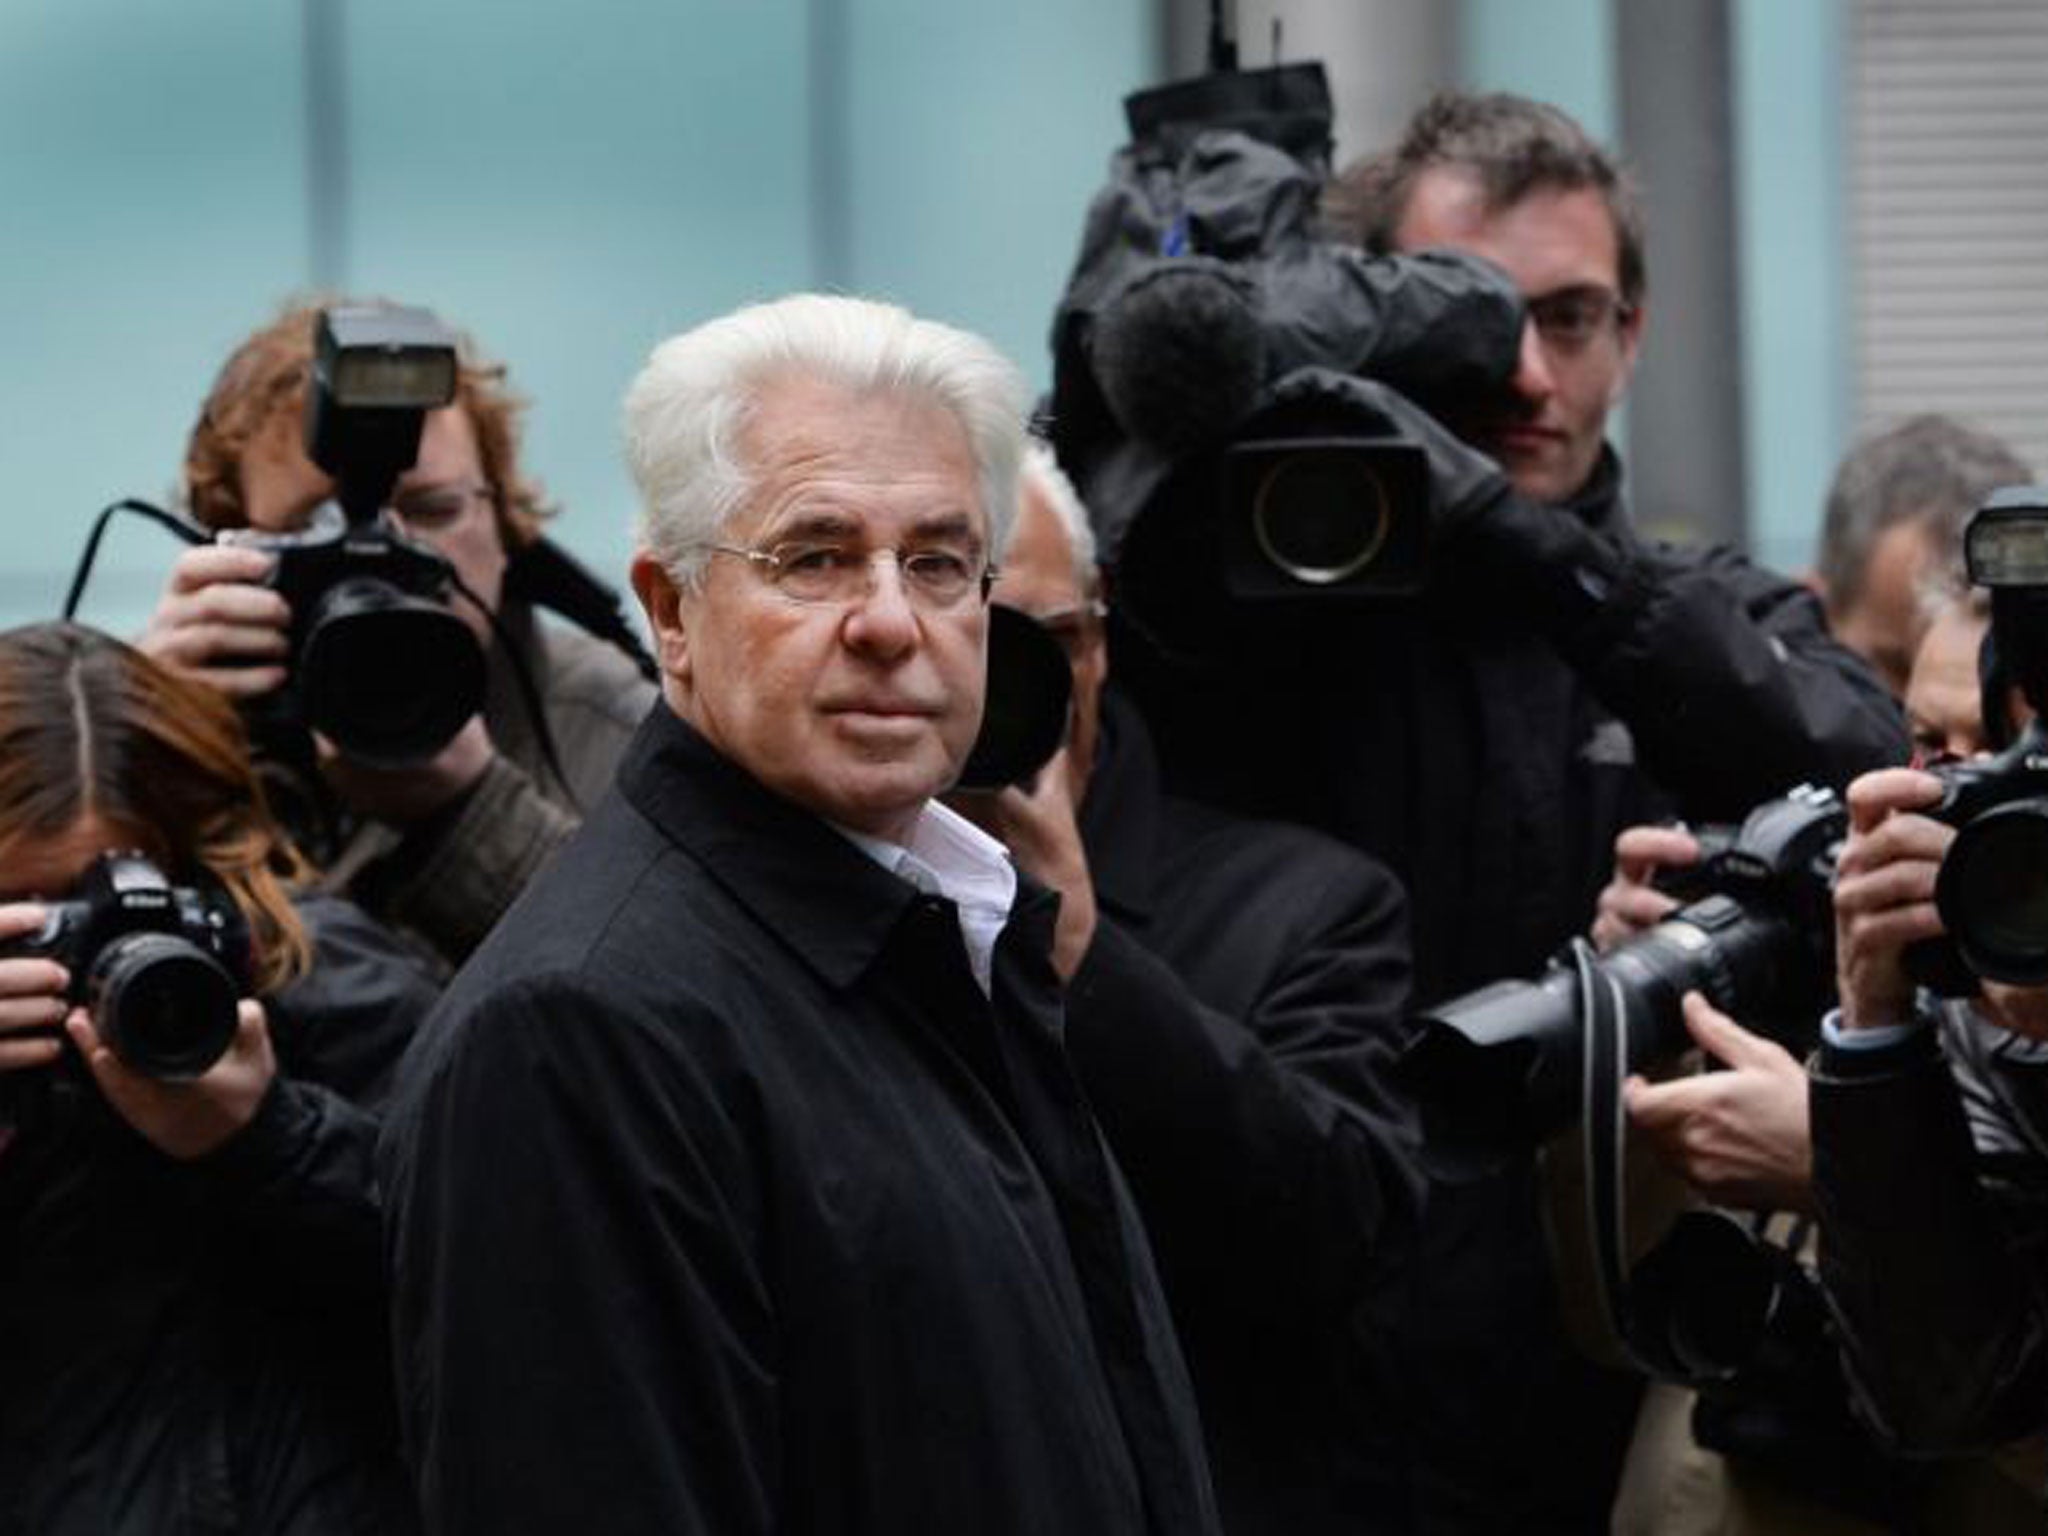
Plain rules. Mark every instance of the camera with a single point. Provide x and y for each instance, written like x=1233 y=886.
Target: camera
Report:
x=1506 y=1064
x=379 y=663
x=1208 y=357
x=161 y=966
x=1025 y=709
x=1992 y=891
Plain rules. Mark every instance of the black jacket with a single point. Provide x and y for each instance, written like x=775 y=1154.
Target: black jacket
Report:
x=1491 y=770
x=723 y=1200
x=197 y=1349
x=1232 y=1024
x=1491 y=767
x=1930 y=1168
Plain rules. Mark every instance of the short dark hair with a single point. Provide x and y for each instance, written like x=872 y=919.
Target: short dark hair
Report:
x=1511 y=146
x=1927 y=469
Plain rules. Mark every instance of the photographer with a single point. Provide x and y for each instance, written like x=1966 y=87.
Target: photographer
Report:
x=1542 y=680
x=439 y=847
x=1780 y=1455
x=191 y=1308
x=1236 y=1000
x=1930 y=1148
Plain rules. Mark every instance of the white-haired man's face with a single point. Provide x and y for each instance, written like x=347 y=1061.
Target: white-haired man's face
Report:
x=856 y=695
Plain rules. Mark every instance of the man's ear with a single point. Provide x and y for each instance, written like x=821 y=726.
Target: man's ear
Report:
x=662 y=601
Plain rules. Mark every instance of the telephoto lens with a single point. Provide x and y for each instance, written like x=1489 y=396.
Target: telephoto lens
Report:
x=1506 y=1066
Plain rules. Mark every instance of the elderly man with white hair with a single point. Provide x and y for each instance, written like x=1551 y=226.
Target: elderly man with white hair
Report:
x=741 y=1184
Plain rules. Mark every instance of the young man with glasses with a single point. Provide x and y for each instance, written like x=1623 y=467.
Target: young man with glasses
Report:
x=744 y=1185
x=1568 y=679
x=439 y=848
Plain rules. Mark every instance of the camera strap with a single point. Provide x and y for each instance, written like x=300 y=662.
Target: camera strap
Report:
x=1604 y=1052
x=1603 y=1056
x=183 y=527
x=548 y=576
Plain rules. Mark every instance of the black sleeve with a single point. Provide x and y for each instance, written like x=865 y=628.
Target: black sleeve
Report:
x=1265 y=1153
x=1732 y=686
x=583 y=1339
x=1725 y=674
x=1937 y=1283
x=452 y=878
x=298 y=1182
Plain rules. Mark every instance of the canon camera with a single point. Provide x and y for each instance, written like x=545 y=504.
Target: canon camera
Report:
x=379 y=663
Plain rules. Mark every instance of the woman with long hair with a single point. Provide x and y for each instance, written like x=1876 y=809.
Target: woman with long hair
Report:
x=191 y=1305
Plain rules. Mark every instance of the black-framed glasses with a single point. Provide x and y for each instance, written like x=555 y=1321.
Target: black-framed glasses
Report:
x=821 y=573
x=1572 y=319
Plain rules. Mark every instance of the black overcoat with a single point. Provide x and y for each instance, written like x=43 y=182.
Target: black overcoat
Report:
x=1234 y=1024
x=723 y=1200
x=196 y=1348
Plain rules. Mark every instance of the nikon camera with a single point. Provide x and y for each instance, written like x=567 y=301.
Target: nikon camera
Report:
x=161 y=966
x=379 y=663
x=1504 y=1065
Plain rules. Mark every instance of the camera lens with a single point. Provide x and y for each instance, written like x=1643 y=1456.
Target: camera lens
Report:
x=388 y=677
x=1712 y=1300
x=1993 y=893
x=1321 y=515
x=162 y=1004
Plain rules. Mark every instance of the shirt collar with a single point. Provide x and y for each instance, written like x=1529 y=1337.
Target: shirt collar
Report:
x=948 y=855
x=967 y=866
x=800 y=878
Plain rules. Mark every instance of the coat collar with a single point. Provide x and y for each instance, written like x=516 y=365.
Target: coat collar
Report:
x=1598 y=503
x=802 y=879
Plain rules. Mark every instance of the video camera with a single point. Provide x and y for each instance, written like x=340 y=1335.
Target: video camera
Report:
x=1505 y=1066
x=1207 y=354
x=1992 y=891
x=161 y=966
x=378 y=661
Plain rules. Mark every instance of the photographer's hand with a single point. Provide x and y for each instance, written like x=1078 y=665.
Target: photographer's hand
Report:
x=1741 y=1136
x=186 y=1120
x=1629 y=903
x=32 y=1002
x=1039 y=828
x=1884 y=893
x=1504 y=550
x=217 y=623
x=1463 y=482
x=405 y=796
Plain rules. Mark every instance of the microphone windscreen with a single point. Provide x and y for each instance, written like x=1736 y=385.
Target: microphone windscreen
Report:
x=1180 y=354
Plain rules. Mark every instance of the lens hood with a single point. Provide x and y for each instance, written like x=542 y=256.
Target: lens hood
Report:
x=388 y=677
